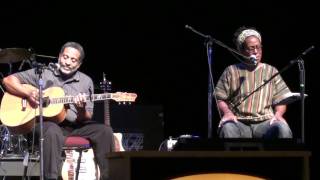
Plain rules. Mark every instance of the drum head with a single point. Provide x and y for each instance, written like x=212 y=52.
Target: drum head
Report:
x=11 y=145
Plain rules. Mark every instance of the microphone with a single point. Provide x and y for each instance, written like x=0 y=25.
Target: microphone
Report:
x=197 y=32
x=54 y=67
x=307 y=51
x=253 y=59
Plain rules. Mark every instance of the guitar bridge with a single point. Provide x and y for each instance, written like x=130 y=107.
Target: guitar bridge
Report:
x=24 y=104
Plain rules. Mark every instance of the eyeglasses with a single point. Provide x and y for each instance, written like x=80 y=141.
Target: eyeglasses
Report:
x=254 y=48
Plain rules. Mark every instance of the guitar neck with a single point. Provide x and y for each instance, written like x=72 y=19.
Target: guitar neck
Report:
x=106 y=86
x=71 y=99
x=107 y=113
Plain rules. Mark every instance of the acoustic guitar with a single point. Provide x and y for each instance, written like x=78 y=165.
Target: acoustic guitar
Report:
x=89 y=170
x=17 y=114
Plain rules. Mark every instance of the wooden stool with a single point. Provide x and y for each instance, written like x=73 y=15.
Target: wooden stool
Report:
x=79 y=163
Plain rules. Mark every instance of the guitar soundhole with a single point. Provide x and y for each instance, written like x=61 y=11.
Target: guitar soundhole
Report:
x=46 y=101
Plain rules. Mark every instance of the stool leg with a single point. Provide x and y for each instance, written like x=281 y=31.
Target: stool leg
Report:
x=78 y=164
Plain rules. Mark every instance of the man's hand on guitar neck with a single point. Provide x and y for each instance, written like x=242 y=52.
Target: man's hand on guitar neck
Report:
x=80 y=104
x=80 y=101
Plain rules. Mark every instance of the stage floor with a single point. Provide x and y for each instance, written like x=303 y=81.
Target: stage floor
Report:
x=285 y=164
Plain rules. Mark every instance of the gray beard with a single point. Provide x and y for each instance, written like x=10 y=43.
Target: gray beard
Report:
x=68 y=72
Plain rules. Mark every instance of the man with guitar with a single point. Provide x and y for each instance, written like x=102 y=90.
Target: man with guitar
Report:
x=76 y=116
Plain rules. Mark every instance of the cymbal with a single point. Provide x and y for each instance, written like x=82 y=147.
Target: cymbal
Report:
x=12 y=55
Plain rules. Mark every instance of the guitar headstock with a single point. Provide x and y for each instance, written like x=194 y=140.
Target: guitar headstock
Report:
x=124 y=97
x=105 y=85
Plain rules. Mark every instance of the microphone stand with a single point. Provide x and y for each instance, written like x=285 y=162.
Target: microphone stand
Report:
x=39 y=70
x=210 y=86
x=302 y=95
x=208 y=42
x=217 y=42
x=45 y=56
x=302 y=90
x=300 y=62
x=39 y=67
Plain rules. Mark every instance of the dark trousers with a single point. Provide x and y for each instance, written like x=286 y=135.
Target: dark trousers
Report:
x=100 y=136
x=279 y=129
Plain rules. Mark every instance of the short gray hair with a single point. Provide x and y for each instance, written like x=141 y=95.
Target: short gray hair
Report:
x=74 y=45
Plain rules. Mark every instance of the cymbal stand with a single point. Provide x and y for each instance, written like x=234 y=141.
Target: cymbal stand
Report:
x=23 y=62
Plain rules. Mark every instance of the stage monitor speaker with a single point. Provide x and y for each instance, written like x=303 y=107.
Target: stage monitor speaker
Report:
x=141 y=125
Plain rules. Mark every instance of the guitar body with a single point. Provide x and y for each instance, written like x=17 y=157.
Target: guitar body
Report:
x=118 y=142
x=17 y=114
x=89 y=170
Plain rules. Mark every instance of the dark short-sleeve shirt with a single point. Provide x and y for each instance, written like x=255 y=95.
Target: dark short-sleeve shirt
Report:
x=77 y=83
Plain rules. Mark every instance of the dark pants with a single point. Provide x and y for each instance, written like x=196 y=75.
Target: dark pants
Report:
x=231 y=129
x=100 y=136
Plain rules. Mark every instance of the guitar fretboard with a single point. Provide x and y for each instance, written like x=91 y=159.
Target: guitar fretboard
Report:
x=106 y=113
x=71 y=99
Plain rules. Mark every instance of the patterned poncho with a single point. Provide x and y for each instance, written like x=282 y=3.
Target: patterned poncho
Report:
x=237 y=82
